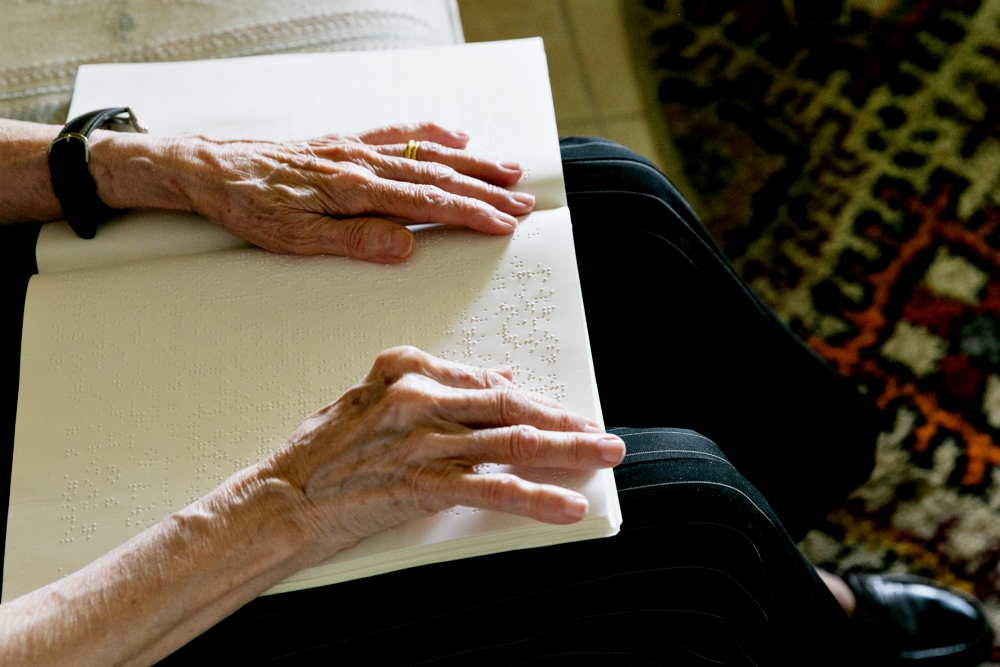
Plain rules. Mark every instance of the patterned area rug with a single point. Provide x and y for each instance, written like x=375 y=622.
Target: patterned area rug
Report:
x=847 y=155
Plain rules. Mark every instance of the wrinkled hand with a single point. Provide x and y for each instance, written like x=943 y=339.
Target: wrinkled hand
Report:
x=332 y=194
x=404 y=443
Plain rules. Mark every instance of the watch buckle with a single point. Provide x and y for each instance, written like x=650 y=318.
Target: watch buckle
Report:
x=73 y=135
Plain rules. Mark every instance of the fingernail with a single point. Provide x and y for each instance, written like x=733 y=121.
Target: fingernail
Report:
x=592 y=428
x=508 y=220
x=460 y=134
x=523 y=198
x=612 y=449
x=512 y=166
x=576 y=507
x=399 y=243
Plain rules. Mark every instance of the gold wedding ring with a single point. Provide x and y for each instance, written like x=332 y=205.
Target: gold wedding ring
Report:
x=411 y=150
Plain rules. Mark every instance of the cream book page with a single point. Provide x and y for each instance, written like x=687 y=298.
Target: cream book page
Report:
x=146 y=381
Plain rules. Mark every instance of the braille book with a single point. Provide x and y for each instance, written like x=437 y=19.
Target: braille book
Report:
x=164 y=355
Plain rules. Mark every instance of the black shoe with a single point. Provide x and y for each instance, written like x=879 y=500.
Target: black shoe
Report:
x=907 y=620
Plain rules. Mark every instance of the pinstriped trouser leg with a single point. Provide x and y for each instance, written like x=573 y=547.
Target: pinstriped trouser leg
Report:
x=680 y=339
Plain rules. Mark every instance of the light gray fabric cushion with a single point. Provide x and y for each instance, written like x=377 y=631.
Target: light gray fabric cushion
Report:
x=43 y=43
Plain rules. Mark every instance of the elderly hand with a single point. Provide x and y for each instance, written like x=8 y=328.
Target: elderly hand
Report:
x=405 y=442
x=333 y=194
x=402 y=443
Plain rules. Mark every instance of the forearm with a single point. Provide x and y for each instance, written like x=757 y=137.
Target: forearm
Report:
x=156 y=592
x=130 y=170
x=25 y=189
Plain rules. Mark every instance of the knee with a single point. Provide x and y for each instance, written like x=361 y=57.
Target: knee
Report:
x=678 y=475
x=595 y=164
x=579 y=148
x=654 y=443
x=658 y=460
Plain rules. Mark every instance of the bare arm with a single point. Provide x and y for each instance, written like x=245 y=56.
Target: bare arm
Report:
x=158 y=591
x=332 y=194
x=27 y=192
x=400 y=444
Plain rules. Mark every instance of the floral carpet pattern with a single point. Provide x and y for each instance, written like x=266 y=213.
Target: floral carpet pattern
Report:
x=847 y=154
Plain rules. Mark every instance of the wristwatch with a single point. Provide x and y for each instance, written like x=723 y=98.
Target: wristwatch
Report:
x=69 y=155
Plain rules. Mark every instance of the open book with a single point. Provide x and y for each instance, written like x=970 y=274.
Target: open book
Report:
x=165 y=354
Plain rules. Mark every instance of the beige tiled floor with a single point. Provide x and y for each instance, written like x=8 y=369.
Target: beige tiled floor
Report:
x=593 y=85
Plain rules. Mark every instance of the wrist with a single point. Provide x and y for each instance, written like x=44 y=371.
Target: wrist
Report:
x=143 y=171
x=252 y=523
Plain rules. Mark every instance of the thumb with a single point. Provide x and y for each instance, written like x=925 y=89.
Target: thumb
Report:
x=370 y=239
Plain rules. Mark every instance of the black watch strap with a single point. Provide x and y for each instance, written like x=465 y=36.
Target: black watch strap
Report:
x=69 y=155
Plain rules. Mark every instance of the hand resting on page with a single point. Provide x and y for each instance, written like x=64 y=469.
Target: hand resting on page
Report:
x=334 y=194
x=402 y=443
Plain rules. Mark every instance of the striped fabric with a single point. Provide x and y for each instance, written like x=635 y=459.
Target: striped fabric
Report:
x=43 y=44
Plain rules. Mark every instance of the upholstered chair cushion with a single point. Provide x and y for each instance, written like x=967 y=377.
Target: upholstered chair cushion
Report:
x=43 y=43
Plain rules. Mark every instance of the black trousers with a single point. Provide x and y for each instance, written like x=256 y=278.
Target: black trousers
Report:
x=679 y=339
x=703 y=571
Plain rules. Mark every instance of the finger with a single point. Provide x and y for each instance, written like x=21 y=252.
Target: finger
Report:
x=504 y=174
x=394 y=363
x=506 y=406
x=394 y=134
x=545 y=400
x=450 y=180
x=513 y=495
x=528 y=446
x=366 y=238
x=429 y=203
x=508 y=373
x=505 y=371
